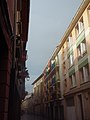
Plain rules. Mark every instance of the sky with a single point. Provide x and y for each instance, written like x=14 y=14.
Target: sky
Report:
x=48 y=21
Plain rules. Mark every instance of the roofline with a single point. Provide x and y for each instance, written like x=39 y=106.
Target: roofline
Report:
x=37 y=79
x=78 y=14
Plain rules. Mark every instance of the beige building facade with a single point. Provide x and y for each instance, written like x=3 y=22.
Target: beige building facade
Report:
x=74 y=57
x=38 y=96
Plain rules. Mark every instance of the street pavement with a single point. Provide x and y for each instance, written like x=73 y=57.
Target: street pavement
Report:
x=31 y=117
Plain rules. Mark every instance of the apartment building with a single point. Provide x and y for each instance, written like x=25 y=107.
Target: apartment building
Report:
x=52 y=92
x=38 y=95
x=74 y=59
x=27 y=104
x=67 y=74
x=13 y=33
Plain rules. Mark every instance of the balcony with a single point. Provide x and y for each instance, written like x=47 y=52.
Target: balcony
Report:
x=47 y=70
x=53 y=95
x=52 y=72
x=80 y=38
x=58 y=94
x=82 y=55
x=52 y=65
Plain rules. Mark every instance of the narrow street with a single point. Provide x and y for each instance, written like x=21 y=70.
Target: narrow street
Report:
x=44 y=60
x=31 y=117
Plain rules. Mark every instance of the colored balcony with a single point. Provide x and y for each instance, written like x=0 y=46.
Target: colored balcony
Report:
x=53 y=65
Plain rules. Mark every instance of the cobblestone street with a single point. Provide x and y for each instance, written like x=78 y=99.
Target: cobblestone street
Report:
x=31 y=117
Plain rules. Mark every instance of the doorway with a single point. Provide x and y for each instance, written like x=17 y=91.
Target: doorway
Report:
x=80 y=106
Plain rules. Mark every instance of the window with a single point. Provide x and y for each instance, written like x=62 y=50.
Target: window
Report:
x=57 y=60
x=64 y=68
x=18 y=28
x=58 y=90
x=81 y=75
x=84 y=73
x=52 y=64
x=81 y=25
x=47 y=86
x=34 y=90
x=63 y=52
x=73 y=80
x=70 y=41
x=18 y=41
x=18 y=16
x=18 y=23
x=77 y=30
x=81 y=49
x=50 y=81
x=88 y=10
x=58 y=86
x=54 y=88
x=71 y=60
x=57 y=75
x=53 y=79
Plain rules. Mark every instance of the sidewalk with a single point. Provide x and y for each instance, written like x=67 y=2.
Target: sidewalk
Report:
x=31 y=117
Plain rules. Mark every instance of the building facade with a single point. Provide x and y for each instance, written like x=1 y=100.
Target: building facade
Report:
x=13 y=31
x=38 y=95
x=67 y=73
x=27 y=104
x=75 y=66
x=52 y=90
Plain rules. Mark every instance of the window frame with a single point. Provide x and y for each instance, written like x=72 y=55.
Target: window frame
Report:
x=82 y=74
x=72 y=79
x=81 y=49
